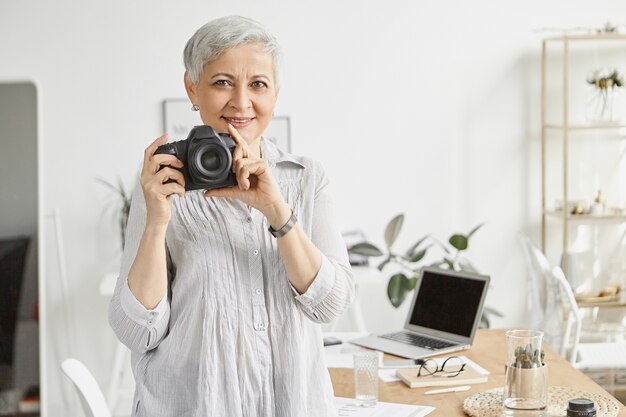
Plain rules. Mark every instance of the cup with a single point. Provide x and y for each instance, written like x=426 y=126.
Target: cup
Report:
x=366 y=378
x=526 y=385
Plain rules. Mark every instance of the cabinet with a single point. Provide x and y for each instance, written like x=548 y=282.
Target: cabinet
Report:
x=583 y=150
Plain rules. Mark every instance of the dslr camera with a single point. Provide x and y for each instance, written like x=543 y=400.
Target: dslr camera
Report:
x=207 y=157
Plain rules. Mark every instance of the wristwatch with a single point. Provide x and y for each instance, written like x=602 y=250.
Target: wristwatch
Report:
x=286 y=228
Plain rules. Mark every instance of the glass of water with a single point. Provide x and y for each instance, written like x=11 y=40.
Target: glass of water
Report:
x=366 y=378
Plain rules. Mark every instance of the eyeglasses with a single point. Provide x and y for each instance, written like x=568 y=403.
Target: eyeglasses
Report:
x=450 y=368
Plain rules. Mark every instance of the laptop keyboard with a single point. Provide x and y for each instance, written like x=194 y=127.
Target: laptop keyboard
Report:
x=416 y=340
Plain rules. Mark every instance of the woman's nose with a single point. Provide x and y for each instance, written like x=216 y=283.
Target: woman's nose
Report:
x=240 y=99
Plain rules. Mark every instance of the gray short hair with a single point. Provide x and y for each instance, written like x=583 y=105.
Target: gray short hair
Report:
x=224 y=33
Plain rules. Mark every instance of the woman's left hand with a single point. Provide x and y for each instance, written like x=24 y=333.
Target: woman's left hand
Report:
x=256 y=185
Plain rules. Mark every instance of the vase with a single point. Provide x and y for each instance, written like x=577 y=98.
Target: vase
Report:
x=526 y=385
x=526 y=389
x=601 y=105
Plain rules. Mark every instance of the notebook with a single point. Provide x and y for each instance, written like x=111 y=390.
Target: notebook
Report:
x=443 y=317
x=468 y=376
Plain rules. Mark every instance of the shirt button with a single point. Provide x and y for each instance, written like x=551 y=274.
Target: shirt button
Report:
x=249 y=219
x=256 y=251
x=150 y=321
x=261 y=326
x=258 y=291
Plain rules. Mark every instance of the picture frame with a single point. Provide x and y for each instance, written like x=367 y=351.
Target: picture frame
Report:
x=179 y=119
x=279 y=132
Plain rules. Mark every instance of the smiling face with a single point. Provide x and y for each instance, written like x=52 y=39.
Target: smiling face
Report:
x=237 y=88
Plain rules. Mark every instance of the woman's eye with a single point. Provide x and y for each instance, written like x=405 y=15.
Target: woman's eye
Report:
x=222 y=83
x=258 y=84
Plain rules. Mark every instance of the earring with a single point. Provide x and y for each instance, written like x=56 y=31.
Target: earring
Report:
x=195 y=107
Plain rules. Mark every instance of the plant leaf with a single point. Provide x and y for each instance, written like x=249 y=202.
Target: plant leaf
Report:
x=412 y=249
x=419 y=255
x=474 y=230
x=458 y=242
x=397 y=289
x=412 y=283
x=108 y=184
x=441 y=245
x=365 y=249
x=383 y=263
x=393 y=229
x=466 y=265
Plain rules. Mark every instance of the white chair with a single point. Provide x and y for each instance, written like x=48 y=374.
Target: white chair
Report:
x=581 y=354
x=542 y=295
x=544 y=301
x=604 y=362
x=89 y=392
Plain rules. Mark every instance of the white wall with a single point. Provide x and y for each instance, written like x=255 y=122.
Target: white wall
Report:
x=426 y=108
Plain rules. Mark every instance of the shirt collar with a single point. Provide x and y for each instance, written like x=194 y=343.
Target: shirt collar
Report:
x=274 y=155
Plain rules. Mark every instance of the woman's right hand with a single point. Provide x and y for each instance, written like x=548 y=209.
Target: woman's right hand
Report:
x=154 y=175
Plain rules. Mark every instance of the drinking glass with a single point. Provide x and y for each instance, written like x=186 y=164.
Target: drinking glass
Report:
x=526 y=375
x=366 y=378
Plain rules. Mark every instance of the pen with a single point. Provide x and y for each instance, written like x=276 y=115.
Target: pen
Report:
x=453 y=389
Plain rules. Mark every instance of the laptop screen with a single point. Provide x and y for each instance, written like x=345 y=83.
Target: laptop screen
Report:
x=447 y=303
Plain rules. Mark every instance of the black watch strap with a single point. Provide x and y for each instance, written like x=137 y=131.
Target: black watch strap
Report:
x=286 y=228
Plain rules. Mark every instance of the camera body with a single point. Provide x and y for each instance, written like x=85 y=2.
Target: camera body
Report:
x=207 y=158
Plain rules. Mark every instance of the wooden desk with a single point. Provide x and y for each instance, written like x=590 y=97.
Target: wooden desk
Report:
x=489 y=351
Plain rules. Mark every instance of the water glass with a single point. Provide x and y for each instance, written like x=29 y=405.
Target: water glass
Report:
x=366 y=378
x=526 y=385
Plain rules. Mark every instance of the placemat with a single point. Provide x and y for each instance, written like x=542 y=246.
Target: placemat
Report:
x=489 y=403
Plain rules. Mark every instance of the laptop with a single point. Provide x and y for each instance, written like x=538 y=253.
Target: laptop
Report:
x=444 y=315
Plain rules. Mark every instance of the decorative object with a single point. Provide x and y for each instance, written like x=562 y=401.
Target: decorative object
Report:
x=600 y=102
x=526 y=374
x=123 y=205
x=489 y=403
x=411 y=262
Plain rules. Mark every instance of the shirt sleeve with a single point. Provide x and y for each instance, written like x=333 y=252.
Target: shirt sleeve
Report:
x=135 y=326
x=332 y=290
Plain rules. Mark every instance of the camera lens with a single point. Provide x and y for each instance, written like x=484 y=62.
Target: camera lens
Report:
x=211 y=161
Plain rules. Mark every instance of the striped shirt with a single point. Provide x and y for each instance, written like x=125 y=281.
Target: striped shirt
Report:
x=232 y=337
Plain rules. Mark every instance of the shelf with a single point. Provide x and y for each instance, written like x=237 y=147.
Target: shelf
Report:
x=586 y=217
x=620 y=301
x=589 y=126
x=588 y=37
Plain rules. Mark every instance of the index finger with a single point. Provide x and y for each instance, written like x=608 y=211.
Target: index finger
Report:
x=238 y=139
x=152 y=147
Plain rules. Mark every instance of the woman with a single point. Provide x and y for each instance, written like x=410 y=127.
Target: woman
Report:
x=221 y=315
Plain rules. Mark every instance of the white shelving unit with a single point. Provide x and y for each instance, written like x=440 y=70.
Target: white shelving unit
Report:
x=565 y=62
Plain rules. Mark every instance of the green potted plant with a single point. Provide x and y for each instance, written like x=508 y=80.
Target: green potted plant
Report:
x=122 y=203
x=409 y=263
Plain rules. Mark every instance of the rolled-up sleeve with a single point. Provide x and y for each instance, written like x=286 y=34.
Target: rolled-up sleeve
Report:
x=332 y=290
x=135 y=326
